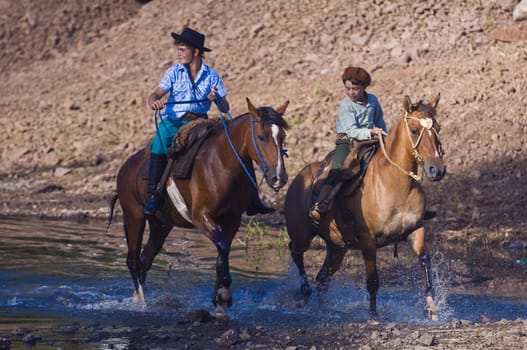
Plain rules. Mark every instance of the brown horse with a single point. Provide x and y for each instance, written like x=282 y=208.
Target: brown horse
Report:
x=387 y=207
x=215 y=196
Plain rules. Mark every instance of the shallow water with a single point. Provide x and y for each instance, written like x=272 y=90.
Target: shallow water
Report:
x=55 y=273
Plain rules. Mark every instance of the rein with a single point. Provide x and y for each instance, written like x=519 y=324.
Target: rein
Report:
x=258 y=153
x=427 y=124
x=157 y=113
x=185 y=102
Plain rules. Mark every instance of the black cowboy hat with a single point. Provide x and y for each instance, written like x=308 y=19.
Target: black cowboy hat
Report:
x=191 y=37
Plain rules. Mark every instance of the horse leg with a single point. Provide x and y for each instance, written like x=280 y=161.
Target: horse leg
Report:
x=134 y=228
x=417 y=241
x=369 y=255
x=222 y=291
x=158 y=234
x=298 y=258
x=332 y=262
x=221 y=234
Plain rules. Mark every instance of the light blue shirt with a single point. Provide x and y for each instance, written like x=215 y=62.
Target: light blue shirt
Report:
x=356 y=119
x=177 y=82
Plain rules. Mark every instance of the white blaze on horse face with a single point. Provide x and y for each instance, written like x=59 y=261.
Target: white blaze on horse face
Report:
x=436 y=149
x=276 y=131
x=428 y=123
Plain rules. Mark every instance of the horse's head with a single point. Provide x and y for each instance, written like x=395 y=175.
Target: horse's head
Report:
x=423 y=130
x=268 y=134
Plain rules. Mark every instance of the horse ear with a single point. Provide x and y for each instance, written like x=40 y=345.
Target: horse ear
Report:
x=433 y=103
x=407 y=104
x=282 y=108
x=252 y=109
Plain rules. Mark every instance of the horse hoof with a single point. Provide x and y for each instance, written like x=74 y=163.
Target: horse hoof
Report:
x=432 y=316
x=431 y=309
x=374 y=316
x=302 y=297
x=139 y=297
x=220 y=313
x=306 y=291
x=223 y=297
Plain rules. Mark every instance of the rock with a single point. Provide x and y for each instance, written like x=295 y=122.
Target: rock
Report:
x=509 y=33
x=200 y=315
x=228 y=338
x=361 y=39
x=61 y=171
x=426 y=339
x=50 y=188
x=5 y=343
x=520 y=11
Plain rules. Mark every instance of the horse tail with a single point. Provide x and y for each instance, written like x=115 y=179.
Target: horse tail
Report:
x=113 y=200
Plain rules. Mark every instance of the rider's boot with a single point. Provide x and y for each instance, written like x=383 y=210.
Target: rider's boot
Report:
x=323 y=203
x=325 y=197
x=156 y=168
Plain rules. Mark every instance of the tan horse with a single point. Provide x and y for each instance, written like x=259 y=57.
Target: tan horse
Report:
x=215 y=196
x=387 y=207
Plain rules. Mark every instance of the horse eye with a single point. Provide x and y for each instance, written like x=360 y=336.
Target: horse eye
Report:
x=261 y=138
x=414 y=131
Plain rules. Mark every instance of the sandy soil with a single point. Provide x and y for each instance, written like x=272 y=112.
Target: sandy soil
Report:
x=75 y=77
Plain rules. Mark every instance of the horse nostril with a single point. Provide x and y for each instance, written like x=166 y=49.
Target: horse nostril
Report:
x=436 y=172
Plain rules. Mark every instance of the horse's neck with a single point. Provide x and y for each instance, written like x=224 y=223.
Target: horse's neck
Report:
x=238 y=140
x=399 y=160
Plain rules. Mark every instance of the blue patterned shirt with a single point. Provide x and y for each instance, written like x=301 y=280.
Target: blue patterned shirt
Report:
x=356 y=119
x=177 y=82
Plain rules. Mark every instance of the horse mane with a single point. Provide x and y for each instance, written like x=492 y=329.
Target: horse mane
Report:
x=425 y=108
x=269 y=115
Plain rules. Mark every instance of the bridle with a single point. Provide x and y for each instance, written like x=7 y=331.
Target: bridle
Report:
x=265 y=169
x=426 y=124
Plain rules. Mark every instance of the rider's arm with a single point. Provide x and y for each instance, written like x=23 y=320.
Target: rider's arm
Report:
x=155 y=99
x=223 y=104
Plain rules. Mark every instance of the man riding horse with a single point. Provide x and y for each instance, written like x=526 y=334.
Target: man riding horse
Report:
x=192 y=86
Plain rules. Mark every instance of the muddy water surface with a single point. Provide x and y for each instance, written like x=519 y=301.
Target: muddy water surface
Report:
x=64 y=280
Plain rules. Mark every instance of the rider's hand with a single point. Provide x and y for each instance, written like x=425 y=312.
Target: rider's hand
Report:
x=376 y=131
x=212 y=95
x=157 y=104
